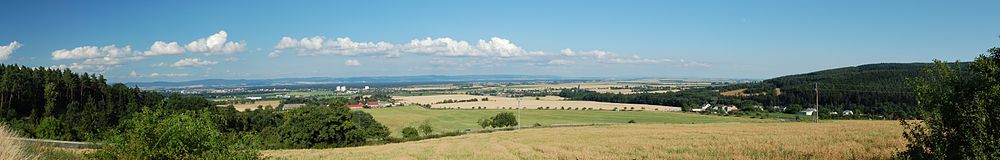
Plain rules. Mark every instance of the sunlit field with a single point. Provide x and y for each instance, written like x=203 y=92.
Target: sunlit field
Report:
x=825 y=140
x=254 y=105
x=548 y=102
x=447 y=120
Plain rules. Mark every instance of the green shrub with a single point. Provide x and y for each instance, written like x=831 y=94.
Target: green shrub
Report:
x=631 y=121
x=426 y=128
x=156 y=135
x=317 y=127
x=367 y=126
x=485 y=122
x=961 y=119
x=410 y=132
x=49 y=128
x=505 y=119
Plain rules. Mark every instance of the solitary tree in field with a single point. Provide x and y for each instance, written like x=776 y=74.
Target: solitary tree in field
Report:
x=505 y=119
x=961 y=111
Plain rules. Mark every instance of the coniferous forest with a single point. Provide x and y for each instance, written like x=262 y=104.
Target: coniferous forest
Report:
x=62 y=105
x=879 y=90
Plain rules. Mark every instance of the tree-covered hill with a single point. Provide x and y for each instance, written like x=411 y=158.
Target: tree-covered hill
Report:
x=60 y=104
x=879 y=89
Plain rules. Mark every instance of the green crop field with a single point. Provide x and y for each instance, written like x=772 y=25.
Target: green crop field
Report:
x=457 y=120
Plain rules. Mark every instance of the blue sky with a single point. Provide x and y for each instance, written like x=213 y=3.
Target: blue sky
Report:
x=274 y=39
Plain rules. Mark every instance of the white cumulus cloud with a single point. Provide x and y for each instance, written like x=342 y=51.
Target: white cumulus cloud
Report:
x=192 y=62
x=599 y=54
x=154 y=74
x=85 y=67
x=216 y=44
x=5 y=51
x=88 y=52
x=274 y=54
x=319 y=45
x=495 y=47
x=447 y=47
x=352 y=62
x=164 y=48
x=94 y=58
x=560 y=62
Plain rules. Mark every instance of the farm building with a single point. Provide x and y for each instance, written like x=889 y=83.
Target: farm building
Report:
x=292 y=106
x=359 y=105
x=848 y=112
x=254 y=98
x=373 y=104
x=703 y=108
x=808 y=111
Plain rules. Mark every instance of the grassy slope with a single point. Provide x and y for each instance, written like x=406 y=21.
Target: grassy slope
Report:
x=826 y=140
x=456 y=120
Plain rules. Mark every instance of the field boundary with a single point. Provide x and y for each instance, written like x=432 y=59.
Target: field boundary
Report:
x=60 y=144
x=537 y=127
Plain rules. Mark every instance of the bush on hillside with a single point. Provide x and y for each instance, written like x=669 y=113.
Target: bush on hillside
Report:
x=368 y=127
x=318 y=127
x=961 y=119
x=157 y=135
x=426 y=128
x=485 y=122
x=410 y=132
x=505 y=119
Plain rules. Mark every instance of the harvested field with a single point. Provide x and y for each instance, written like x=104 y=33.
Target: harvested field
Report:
x=826 y=140
x=527 y=102
x=429 y=87
x=252 y=106
x=567 y=85
x=616 y=91
x=739 y=92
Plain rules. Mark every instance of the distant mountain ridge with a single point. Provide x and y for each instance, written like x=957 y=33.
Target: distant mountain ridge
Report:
x=222 y=83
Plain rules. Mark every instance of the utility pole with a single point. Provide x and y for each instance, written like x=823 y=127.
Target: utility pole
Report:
x=817 y=100
x=519 y=113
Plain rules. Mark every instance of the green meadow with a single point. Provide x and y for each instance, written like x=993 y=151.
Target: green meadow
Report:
x=457 y=120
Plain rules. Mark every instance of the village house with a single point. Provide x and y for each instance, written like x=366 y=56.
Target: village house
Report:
x=375 y=104
x=292 y=106
x=703 y=108
x=848 y=112
x=359 y=105
x=808 y=111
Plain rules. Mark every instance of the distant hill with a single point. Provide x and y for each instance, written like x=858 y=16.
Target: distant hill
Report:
x=881 y=88
x=222 y=83
x=865 y=84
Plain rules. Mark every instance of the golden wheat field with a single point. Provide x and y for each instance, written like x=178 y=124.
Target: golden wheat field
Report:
x=252 y=106
x=553 y=102
x=825 y=140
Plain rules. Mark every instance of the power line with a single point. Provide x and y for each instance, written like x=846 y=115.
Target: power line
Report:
x=900 y=92
x=850 y=90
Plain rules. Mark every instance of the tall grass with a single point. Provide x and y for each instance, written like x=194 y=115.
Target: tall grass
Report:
x=10 y=147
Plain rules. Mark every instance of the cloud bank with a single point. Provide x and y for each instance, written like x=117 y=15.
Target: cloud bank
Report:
x=6 y=51
x=104 y=58
x=319 y=45
x=192 y=62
